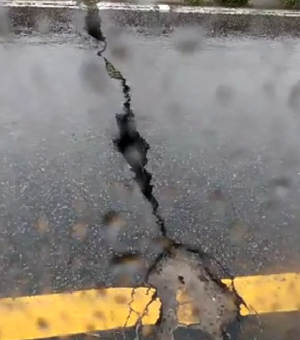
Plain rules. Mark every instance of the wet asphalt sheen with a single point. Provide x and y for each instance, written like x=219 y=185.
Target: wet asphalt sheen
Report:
x=221 y=115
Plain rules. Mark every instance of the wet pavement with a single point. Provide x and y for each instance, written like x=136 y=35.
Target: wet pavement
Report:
x=221 y=115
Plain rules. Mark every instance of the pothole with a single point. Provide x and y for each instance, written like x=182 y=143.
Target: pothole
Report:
x=190 y=295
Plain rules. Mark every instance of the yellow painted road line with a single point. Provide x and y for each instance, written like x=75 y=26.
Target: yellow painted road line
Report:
x=104 y=309
x=269 y=293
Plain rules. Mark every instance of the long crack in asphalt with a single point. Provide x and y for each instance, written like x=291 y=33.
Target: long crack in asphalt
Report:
x=178 y=268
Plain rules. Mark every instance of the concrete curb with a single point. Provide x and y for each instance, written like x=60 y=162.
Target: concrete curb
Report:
x=164 y=8
x=253 y=4
x=215 y=21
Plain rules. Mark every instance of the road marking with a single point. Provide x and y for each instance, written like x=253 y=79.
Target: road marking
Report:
x=42 y=316
x=157 y=7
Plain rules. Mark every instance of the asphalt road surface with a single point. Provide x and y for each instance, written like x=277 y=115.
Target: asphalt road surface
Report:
x=221 y=114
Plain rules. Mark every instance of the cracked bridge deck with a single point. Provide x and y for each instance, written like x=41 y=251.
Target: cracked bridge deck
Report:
x=105 y=309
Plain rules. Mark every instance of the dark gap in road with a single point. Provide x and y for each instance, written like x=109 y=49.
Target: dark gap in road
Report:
x=194 y=262
x=129 y=143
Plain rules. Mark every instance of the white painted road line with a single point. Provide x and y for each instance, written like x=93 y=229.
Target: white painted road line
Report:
x=159 y=8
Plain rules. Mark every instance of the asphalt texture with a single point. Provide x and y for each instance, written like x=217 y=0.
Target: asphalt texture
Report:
x=219 y=111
